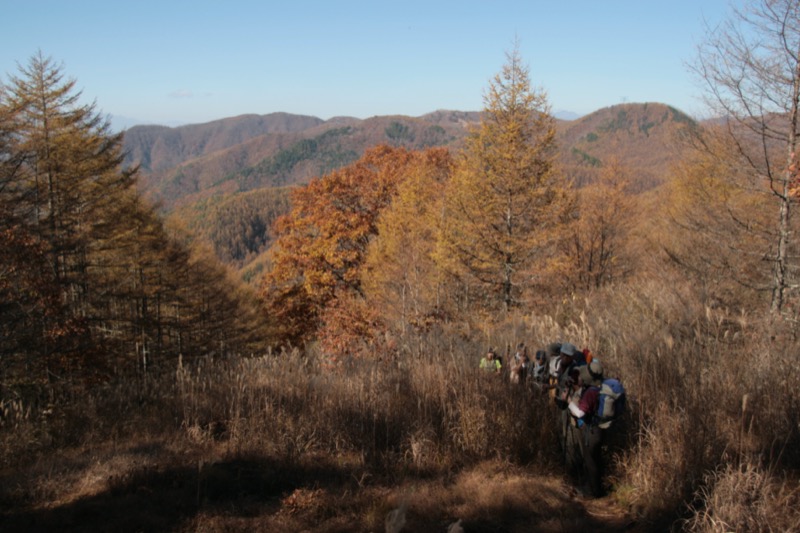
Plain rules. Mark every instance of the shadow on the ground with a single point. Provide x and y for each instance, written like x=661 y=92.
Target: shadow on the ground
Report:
x=245 y=493
x=563 y=515
x=160 y=499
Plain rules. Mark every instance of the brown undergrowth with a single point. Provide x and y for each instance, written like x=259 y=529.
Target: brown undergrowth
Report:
x=287 y=442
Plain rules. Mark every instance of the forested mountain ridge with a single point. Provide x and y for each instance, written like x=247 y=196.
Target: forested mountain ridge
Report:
x=644 y=136
x=181 y=165
x=185 y=164
x=158 y=148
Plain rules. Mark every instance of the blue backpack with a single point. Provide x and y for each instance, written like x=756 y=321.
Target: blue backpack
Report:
x=611 y=402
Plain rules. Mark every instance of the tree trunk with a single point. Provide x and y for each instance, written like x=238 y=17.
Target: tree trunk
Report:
x=781 y=282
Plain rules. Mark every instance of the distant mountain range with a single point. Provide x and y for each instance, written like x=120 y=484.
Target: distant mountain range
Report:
x=181 y=165
x=248 y=152
x=122 y=123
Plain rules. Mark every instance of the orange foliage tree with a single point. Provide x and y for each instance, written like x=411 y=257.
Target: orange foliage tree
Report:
x=322 y=243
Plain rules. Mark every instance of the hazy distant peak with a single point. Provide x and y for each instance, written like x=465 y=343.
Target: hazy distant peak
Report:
x=566 y=115
x=342 y=119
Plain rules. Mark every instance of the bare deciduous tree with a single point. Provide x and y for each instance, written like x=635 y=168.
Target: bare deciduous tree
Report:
x=750 y=66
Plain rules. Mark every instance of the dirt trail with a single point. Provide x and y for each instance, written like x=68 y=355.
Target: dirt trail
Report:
x=156 y=488
x=606 y=514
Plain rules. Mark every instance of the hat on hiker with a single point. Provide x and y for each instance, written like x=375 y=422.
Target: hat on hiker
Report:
x=592 y=374
x=568 y=349
x=554 y=349
x=541 y=355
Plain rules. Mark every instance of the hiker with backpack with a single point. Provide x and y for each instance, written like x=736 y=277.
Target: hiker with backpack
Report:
x=520 y=365
x=553 y=356
x=566 y=362
x=568 y=432
x=566 y=377
x=595 y=403
x=540 y=370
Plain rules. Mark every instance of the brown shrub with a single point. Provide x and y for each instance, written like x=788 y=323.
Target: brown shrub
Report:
x=745 y=498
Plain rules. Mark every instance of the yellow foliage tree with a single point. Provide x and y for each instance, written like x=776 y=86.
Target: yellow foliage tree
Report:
x=720 y=224
x=402 y=277
x=505 y=199
x=598 y=245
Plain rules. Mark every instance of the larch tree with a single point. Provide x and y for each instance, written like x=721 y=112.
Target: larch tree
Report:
x=91 y=282
x=750 y=67
x=70 y=187
x=402 y=276
x=71 y=171
x=504 y=199
x=30 y=306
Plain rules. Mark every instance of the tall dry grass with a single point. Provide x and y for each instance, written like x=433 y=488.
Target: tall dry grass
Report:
x=711 y=390
x=713 y=406
x=420 y=412
x=745 y=497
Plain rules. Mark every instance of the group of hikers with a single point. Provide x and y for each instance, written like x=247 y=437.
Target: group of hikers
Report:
x=589 y=402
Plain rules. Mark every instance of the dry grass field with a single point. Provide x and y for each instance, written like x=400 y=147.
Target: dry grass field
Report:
x=288 y=442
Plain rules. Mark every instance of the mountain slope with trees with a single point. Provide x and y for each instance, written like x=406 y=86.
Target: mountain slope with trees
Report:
x=299 y=148
x=642 y=137
x=158 y=148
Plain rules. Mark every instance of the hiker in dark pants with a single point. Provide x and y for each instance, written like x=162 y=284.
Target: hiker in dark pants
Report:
x=583 y=406
x=569 y=433
x=566 y=378
x=591 y=443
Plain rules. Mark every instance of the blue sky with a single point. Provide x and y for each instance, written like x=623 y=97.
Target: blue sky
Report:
x=177 y=62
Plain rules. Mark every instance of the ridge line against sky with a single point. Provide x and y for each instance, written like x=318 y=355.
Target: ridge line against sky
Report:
x=179 y=62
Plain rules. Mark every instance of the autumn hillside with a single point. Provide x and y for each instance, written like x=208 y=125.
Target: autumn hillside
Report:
x=201 y=172
x=180 y=165
x=645 y=136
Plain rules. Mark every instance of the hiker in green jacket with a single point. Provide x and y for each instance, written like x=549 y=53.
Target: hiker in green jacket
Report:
x=490 y=362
